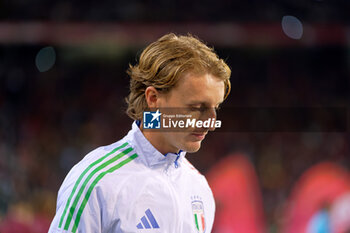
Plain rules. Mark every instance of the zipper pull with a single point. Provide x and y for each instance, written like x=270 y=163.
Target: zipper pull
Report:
x=177 y=158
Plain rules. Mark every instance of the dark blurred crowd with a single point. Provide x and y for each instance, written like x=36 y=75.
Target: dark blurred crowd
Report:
x=182 y=10
x=50 y=120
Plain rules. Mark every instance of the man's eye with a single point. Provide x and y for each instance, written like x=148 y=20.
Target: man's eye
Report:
x=201 y=109
x=194 y=109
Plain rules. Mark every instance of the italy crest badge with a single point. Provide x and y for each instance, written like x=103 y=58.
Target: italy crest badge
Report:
x=198 y=215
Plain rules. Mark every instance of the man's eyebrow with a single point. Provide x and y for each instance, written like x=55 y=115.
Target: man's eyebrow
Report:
x=203 y=103
x=198 y=103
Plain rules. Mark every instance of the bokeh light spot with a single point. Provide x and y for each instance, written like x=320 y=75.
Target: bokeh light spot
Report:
x=292 y=27
x=45 y=59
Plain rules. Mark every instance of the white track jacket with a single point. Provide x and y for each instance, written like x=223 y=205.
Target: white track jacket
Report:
x=130 y=187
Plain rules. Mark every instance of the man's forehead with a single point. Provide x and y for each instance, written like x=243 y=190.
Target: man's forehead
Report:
x=204 y=98
x=193 y=79
x=204 y=89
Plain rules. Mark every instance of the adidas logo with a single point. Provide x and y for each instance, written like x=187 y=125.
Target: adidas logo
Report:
x=148 y=221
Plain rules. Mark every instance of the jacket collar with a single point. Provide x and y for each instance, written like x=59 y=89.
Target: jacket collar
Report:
x=148 y=153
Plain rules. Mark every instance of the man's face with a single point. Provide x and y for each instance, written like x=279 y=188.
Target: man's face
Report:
x=200 y=96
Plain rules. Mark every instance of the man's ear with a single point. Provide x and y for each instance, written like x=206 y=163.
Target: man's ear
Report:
x=151 y=95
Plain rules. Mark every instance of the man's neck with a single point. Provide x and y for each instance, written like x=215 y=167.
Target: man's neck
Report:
x=159 y=142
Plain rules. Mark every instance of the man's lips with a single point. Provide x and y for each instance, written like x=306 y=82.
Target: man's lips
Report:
x=199 y=136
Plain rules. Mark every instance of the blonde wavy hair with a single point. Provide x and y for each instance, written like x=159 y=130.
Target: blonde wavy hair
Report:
x=165 y=61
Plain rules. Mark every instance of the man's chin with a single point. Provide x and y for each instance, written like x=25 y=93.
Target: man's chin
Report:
x=192 y=147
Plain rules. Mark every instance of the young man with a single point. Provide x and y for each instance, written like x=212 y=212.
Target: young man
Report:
x=143 y=183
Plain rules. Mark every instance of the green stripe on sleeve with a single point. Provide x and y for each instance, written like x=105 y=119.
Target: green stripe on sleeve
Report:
x=81 y=177
x=93 y=184
x=81 y=190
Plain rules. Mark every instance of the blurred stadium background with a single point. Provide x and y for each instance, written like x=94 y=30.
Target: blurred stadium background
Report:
x=63 y=83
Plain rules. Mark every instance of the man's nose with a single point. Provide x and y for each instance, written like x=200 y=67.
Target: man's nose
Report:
x=210 y=114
